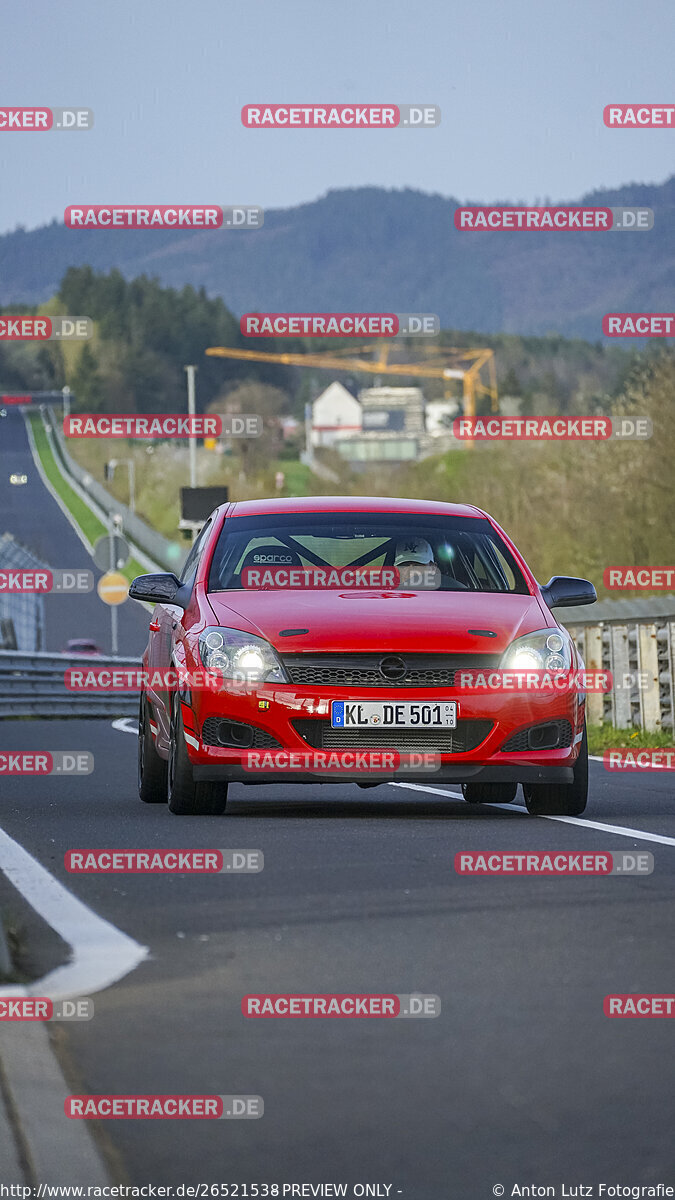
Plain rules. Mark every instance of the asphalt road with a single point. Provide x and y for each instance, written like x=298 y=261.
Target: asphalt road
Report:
x=520 y=1079
x=31 y=515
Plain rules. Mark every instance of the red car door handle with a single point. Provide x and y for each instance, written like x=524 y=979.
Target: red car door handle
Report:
x=154 y=625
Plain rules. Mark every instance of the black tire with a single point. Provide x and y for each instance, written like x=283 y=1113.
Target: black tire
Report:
x=152 y=769
x=561 y=799
x=489 y=793
x=187 y=797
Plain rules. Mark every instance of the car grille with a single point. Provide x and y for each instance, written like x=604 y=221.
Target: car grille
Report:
x=261 y=739
x=468 y=734
x=363 y=670
x=521 y=740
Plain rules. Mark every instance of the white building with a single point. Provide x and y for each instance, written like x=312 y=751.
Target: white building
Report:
x=335 y=414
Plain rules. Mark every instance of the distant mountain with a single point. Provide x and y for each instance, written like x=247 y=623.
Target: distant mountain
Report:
x=372 y=249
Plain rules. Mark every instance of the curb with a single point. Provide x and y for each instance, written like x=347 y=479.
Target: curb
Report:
x=38 y=1142
x=41 y=1142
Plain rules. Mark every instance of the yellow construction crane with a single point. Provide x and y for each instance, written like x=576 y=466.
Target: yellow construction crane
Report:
x=449 y=363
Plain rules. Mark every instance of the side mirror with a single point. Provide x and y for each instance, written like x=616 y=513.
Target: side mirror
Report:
x=564 y=591
x=160 y=588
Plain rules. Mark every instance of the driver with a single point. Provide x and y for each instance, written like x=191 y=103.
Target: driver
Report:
x=416 y=564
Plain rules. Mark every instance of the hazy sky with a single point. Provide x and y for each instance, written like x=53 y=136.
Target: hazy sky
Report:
x=521 y=84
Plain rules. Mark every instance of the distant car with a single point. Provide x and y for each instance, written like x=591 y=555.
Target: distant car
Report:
x=82 y=646
x=18 y=478
x=383 y=662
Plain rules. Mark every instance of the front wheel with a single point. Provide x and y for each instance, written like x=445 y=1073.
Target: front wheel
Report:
x=187 y=797
x=151 y=768
x=489 y=793
x=561 y=799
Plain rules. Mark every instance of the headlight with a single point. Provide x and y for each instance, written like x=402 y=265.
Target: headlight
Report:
x=545 y=650
x=240 y=656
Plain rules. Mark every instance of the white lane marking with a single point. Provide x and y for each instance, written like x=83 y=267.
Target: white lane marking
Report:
x=423 y=787
x=122 y=723
x=619 y=830
x=101 y=954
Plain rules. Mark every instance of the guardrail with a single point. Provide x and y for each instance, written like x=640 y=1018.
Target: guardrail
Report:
x=152 y=543
x=636 y=642
x=639 y=650
x=33 y=685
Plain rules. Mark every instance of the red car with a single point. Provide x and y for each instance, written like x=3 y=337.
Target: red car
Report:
x=272 y=680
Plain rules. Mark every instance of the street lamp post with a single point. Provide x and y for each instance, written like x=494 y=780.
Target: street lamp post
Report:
x=192 y=444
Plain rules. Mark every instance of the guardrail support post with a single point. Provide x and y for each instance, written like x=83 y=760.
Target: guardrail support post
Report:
x=621 y=705
x=648 y=663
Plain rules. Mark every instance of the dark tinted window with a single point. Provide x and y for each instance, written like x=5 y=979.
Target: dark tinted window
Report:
x=190 y=564
x=467 y=551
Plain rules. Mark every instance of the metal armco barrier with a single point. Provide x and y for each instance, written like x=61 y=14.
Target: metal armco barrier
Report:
x=639 y=651
x=33 y=685
x=154 y=544
x=635 y=640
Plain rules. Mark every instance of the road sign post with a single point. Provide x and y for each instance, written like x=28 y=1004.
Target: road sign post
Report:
x=113 y=590
x=111 y=553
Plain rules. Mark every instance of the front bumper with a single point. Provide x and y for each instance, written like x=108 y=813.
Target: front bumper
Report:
x=447 y=773
x=275 y=711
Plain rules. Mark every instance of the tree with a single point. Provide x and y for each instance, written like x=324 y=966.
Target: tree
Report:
x=271 y=404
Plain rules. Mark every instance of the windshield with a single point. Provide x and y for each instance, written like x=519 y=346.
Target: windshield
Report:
x=465 y=553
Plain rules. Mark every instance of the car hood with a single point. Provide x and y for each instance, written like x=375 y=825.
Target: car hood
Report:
x=431 y=622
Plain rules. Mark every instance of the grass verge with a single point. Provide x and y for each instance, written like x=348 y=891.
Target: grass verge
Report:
x=88 y=522
x=607 y=737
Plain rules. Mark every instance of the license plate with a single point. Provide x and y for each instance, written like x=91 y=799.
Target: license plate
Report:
x=411 y=714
